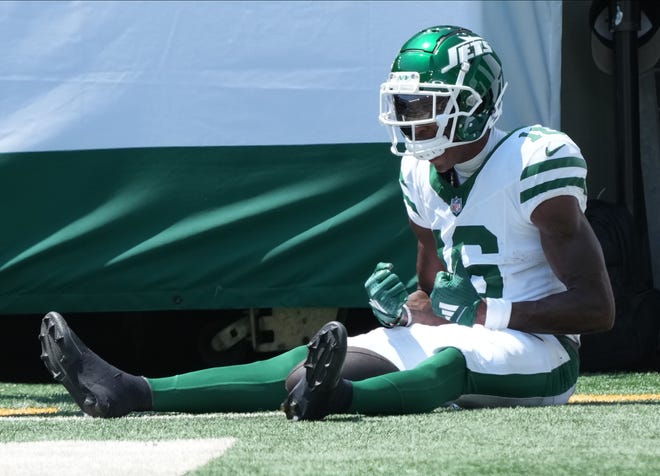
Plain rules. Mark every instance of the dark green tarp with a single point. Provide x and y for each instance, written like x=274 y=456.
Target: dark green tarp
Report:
x=198 y=227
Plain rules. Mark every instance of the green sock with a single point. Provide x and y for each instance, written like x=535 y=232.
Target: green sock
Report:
x=236 y=388
x=437 y=380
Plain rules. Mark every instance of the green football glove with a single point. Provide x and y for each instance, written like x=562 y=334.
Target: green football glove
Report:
x=454 y=297
x=387 y=295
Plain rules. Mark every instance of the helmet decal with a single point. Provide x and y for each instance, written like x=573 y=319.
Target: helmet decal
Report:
x=469 y=48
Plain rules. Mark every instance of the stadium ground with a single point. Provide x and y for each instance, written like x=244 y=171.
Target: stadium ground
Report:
x=611 y=426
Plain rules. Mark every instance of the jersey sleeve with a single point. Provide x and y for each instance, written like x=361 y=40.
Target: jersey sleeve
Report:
x=410 y=191
x=552 y=166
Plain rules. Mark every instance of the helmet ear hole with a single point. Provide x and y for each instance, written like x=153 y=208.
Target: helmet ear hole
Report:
x=471 y=100
x=486 y=101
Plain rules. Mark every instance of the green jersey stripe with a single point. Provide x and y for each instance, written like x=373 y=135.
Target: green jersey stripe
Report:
x=411 y=204
x=552 y=185
x=553 y=164
x=401 y=179
x=555 y=382
x=406 y=198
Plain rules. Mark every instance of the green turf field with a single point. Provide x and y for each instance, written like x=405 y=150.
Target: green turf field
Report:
x=612 y=427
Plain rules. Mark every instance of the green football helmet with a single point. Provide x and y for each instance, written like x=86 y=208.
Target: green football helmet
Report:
x=445 y=77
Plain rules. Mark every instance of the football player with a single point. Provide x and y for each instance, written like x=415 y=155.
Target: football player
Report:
x=509 y=272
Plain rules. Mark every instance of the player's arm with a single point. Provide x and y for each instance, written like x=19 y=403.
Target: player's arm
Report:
x=428 y=266
x=428 y=262
x=575 y=255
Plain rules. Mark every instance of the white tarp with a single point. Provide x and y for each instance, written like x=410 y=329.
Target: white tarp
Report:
x=89 y=75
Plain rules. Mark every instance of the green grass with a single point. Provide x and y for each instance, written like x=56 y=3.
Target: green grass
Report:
x=584 y=439
x=621 y=383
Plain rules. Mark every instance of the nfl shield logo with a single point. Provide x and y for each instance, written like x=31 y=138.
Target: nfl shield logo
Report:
x=456 y=205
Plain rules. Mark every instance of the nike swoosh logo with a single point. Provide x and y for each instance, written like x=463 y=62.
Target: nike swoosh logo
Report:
x=551 y=152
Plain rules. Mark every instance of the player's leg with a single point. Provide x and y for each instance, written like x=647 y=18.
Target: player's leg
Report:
x=261 y=385
x=531 y=370
x=436 y=381
x=491 y=368
x=446 y=377
x=322 y=391
x=504 y=368
x=102 y=390
x=236 y=388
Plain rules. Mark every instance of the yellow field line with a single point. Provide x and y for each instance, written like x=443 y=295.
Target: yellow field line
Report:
x=27 y=411
x=614 y=398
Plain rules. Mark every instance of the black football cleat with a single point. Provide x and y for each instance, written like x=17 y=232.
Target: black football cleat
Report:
x=311 y=398
x=98 y=388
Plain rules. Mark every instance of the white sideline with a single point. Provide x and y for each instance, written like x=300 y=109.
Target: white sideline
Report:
x=109 y=457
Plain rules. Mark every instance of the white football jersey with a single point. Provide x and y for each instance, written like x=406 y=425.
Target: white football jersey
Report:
x=486 y=220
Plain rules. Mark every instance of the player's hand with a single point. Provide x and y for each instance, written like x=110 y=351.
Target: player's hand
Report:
x=387 y=295
x=454 y=297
